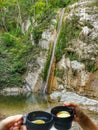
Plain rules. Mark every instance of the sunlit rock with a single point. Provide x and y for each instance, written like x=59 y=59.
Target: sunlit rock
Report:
x=72 y=97
x=31 y=38
x=25 y=26
x=85 y=32
x=46 y=35
x=77 y=65
x=64 y=63
x=44 y=44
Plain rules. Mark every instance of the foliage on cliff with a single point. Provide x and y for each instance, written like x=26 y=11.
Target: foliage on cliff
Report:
x=69 y=32
x=73 y=31
x=16 y=47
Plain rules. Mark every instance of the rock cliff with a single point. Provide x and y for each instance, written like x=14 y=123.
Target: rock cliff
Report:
x=80 y=73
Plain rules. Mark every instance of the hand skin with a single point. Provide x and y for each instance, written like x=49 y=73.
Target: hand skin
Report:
x=12 y=123
x=80 y=117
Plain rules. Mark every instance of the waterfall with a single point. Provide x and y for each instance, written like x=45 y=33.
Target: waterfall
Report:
x=53 y=50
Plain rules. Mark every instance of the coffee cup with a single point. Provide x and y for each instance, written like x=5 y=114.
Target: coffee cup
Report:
x=38 y=120
x=63 y=117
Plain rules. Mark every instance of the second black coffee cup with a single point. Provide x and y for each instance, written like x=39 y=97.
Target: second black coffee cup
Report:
x=63 y=117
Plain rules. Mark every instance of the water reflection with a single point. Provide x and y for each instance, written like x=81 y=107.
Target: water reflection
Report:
x=23 y=103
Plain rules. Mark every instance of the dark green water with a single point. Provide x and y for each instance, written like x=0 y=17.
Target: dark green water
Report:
x=20 y=104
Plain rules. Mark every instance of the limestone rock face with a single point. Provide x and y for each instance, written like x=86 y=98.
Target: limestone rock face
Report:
x=92 y=85
x=48 y=37
x=33 y=78
x=76 y=74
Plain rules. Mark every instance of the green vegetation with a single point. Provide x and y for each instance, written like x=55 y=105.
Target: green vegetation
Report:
x=59 y=73
x=61 y=43
x=90 y=65
x=12 y=61
x=72 y=55
x=88 y=24
x=70 y=30
x=45 y=72
x=16 y=49
x=59 y=3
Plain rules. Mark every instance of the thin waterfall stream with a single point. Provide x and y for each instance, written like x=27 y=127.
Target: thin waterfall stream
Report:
x=53 y=51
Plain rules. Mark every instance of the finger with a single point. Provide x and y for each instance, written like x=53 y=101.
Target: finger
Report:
x=23 y=127
x=9 y=124
x=73 y=106
x=10 y=121
x=16 y=128
x=11 y=128
x=13 y=119
x=17 y=117
x=18 y=123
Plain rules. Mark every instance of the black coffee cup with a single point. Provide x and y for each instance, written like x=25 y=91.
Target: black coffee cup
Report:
x=62 y=123
x=29 y=119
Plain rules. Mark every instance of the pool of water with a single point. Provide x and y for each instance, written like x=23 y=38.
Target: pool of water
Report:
x=21 y=104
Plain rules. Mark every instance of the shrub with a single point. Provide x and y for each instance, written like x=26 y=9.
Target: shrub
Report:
x=37 y=32
x=9 y=39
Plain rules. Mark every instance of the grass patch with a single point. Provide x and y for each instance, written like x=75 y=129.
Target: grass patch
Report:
x=59 y=73
x=72 y=55
x=88 y=24
x=90 y=65
x=69 y=31
x=61 y=44
x=71 y=28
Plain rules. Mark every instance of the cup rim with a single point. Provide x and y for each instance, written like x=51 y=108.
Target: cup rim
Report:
x=56 y=107
x=51 y=119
